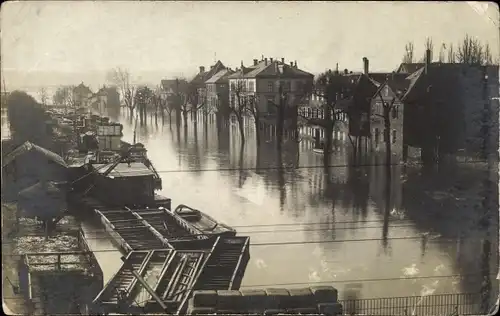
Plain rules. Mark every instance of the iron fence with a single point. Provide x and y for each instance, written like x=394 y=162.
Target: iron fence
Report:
x=435 y=305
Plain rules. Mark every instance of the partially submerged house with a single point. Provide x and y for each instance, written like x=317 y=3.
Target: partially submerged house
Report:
x=262 y=81
x=387 y=112
x=217 y=93
x=450 y=110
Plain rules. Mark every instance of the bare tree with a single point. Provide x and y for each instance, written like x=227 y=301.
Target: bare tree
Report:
x=252 y=108
x=121 y=78
x=239 y=103
x=158 y=103
x=488 y=58
x=451 y=54
x=186 y=99
x=409 y=56
x=428 y=46
x=43 y=94
x=472 y=51
x=441 y=53
x=143 y=97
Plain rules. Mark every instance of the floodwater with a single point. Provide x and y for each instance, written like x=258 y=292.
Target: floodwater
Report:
x=424 y=235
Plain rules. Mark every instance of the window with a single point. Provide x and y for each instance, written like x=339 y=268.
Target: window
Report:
x=233 y=86
x=251 y=86
x=377 y=135
x=395 y=113
x=232 y=100
x=386 y=91
x=393 y=136
x=270 y=86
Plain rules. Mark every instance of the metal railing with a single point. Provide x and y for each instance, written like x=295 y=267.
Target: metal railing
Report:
x=435 y=305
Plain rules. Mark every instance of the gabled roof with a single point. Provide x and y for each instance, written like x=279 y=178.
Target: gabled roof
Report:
x=442 y=77
x=270 y=69
x=28 y=146
x=201 y=77
x=81 y=88
x=397 y=82
x=409 y=67
x=220 y=76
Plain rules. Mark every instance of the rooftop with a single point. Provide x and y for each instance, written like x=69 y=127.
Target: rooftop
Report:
x=270 y=69
x=122 y=170
x=220 y=76
x=27 y=147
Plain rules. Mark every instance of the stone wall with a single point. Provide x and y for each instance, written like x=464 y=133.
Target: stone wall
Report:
x=310 y=300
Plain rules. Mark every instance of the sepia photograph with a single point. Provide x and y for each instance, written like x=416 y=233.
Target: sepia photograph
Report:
x=250 y=157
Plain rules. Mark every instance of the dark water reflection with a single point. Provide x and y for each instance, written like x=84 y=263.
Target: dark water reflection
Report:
x=385 y=232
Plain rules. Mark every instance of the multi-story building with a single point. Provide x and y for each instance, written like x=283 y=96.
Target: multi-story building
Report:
x=197 y=84
x=263 y=80
x=217 y=92
x=387 y=111
x=82 y=95
x=451 y=109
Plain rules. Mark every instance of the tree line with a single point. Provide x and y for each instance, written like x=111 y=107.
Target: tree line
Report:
x=469 y=51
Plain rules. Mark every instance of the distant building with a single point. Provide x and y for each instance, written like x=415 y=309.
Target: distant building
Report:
x=171 y=86
x=105 y=98
x=82 y=95
x=217 y=92
x=263 y=79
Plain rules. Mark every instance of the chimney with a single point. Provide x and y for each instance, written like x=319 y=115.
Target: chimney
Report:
x=202 y=69
x=283 y=60
x=211 y=67
x=291 y=64
x=255 y=61
x=428 y=59
x=366 y=65
x=295 y=64
x=271 y=59
x=242 y=64
x=265 y=60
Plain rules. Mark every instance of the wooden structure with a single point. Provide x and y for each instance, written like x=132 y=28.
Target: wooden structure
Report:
x=44 y=279
x=172 y=276
x=150 y=229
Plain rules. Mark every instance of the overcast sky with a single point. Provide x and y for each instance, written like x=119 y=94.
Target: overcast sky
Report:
x=162 y=39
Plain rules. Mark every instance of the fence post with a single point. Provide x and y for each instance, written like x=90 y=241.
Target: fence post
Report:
x=58 y=261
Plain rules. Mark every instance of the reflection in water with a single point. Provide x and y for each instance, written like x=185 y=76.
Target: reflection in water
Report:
x=352 y=227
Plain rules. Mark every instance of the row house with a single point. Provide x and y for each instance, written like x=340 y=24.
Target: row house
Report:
x=198 y=83
x=217 y=92
x=265 y=79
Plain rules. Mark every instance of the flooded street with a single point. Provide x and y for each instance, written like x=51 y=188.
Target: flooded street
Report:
x=423 y=236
